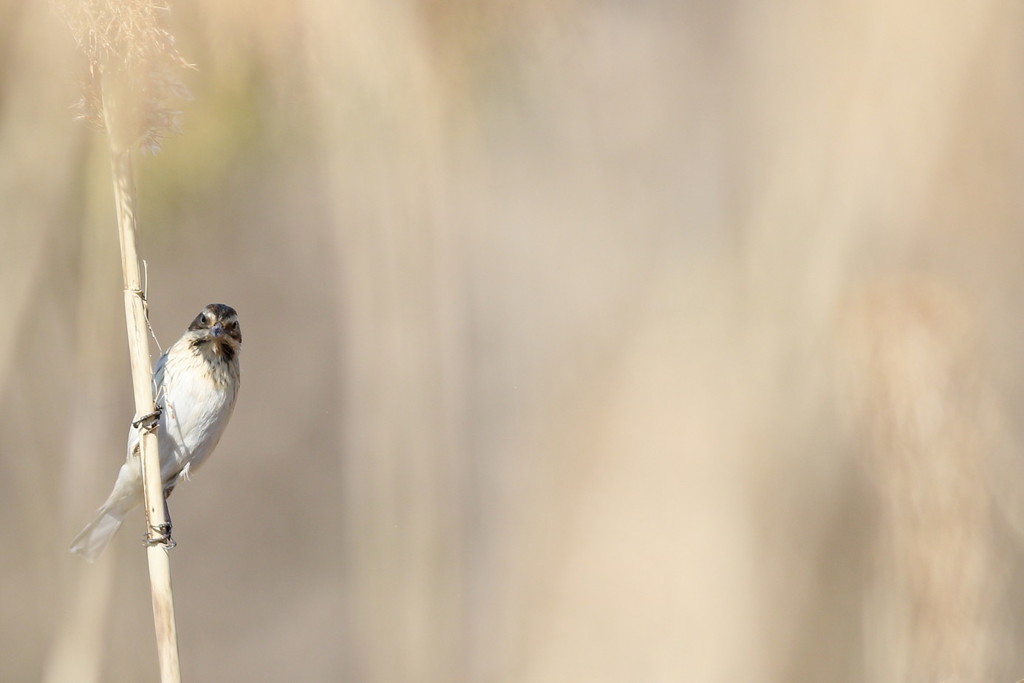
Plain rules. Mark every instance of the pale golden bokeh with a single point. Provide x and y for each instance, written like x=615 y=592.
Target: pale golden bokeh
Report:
x=584 y=341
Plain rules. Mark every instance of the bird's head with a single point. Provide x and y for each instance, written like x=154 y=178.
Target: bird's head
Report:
x=216 y=330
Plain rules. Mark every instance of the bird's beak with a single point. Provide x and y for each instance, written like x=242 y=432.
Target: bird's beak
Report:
x=217 y=330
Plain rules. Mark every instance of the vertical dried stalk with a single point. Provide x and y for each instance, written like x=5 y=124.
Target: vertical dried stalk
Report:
x=131 y=80
x=138 y=347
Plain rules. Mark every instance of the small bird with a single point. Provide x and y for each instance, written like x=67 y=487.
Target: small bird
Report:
x=195 y=383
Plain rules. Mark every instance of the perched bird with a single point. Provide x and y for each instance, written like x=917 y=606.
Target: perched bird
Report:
x=195 y=383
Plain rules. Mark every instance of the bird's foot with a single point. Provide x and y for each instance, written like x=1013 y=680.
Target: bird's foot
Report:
x=160 y=535
x=148 y=421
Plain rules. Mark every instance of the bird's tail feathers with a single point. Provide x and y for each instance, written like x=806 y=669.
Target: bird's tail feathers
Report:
x=95 y=537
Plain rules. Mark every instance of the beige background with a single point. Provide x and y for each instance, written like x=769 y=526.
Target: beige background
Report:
x=584 y=341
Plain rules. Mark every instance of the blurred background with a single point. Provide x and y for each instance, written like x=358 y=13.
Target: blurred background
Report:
x=585 y=340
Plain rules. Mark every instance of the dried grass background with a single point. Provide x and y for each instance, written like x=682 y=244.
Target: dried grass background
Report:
x=584 y=341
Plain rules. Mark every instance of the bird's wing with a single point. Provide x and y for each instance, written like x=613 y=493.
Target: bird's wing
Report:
x=158 y=379
x=158 y=397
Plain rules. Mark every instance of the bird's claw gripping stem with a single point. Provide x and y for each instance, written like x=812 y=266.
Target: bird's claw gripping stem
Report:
x=148 y=421
x=160 y=535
